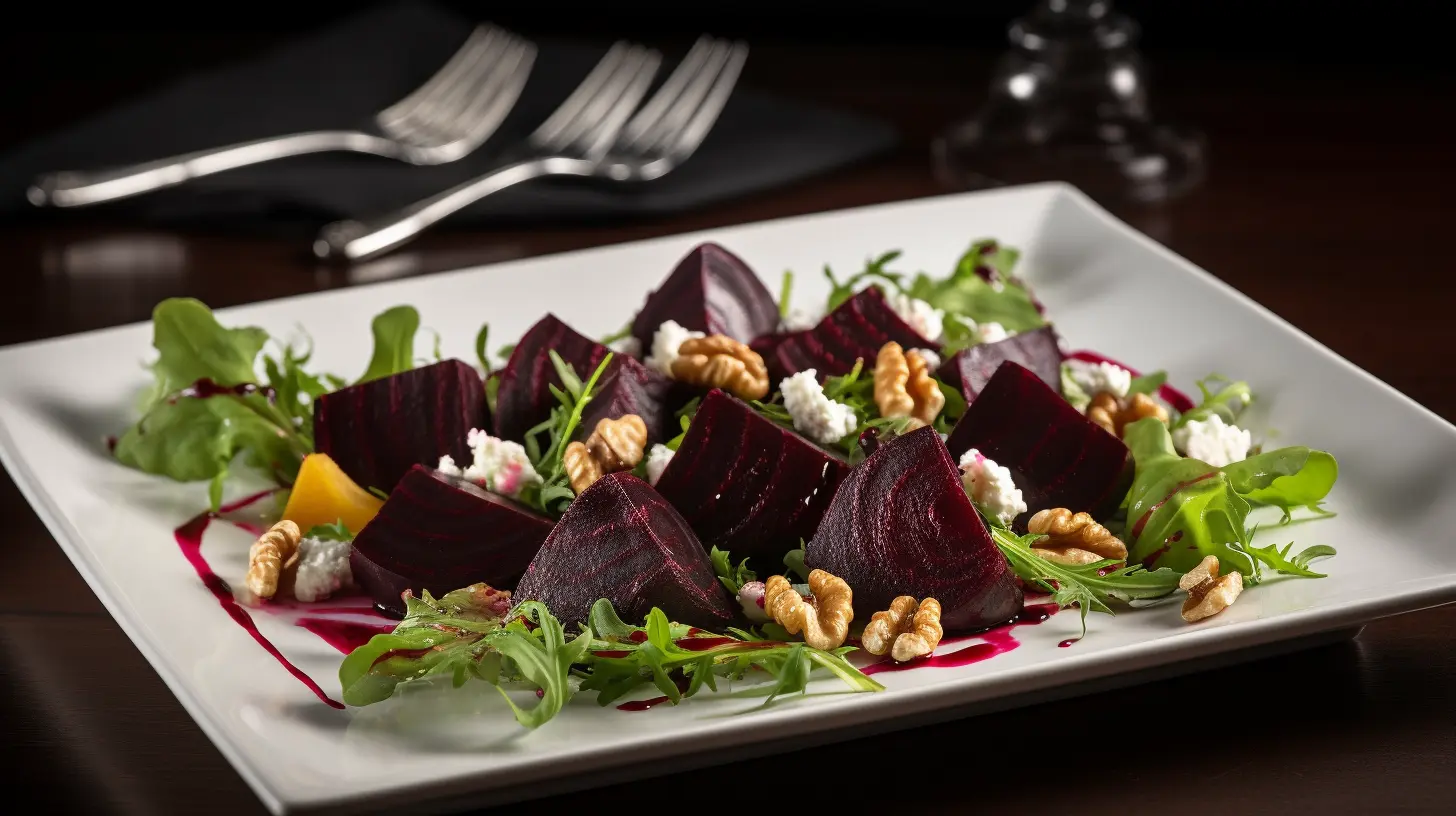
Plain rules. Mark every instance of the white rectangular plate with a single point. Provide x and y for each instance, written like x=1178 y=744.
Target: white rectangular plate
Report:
x=1107 y=287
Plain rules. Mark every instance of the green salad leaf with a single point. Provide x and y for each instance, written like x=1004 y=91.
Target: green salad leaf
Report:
x=1091 y=587
x=1072 y=390
x=1220 y=395
x=966 y=294
x=732 y=577
x=1147 y=383
x=329 y=532
x=874 y=272
x=554 y=494
x=191 y=346
x=394 y=342
x=786 y=290
x=1181 y=510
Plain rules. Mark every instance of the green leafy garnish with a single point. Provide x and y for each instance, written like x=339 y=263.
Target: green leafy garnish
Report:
x=733 y=578
x=482 y=352
x=874 y=272
x=629 y=657
x=966 y=294
x=786 y=288
x=794 y=562
x=1147 y=383
x=1181 y=510
x=330 y=532
x=1072 y=390
x=1092 y=587
x=191 y=346
x=1221 y=396
x=394 y=342
x=554 y=493
x=619 y=334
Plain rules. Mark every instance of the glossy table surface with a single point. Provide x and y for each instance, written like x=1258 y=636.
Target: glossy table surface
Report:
x=1328 y=200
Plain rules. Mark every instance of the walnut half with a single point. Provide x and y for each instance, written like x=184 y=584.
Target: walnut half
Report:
x=906 y=630
x=1208 y=592
x=825 y=623
x=1073 y=538
x=719 y=361
x=614 y=444
x=1114 y=415
x=904 y=386
x=269 y=555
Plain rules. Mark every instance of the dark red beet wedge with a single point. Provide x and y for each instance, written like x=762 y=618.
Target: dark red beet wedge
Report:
x=524 y=399
x=712 y=291
x=377 y=430
x=970 y=369
x=622 y=541
x=855 y=330
x=1058 y=457
x=441 y=533
x=748 y=485
x=901 y=524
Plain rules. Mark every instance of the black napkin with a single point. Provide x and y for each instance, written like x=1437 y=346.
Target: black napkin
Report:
x=341 y=76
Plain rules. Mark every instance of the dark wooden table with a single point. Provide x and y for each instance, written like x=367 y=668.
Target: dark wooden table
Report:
x=1328 y=200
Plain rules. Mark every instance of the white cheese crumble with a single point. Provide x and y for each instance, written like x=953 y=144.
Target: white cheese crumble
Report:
x=1097 y=377
x=932 y=360
x=657 y=460
x=992 y=332
x=323 y=569
x=668 y=338
x=815 y=415
x=497 y=465
x=925 y=319
x=750 y=598
x=1213 y=441
x=991 y=487
x=799 y=319
x=629 y=345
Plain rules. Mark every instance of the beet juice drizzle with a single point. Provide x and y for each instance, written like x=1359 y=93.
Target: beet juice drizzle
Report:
x=343 y=635
x=994 y=641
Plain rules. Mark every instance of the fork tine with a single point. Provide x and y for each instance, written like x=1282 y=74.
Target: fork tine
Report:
x=550 y=129
x=590 y=116
x=686 y=140
x=430 y=120
x=494 y=100
x=658 y=105
x=458 y=114
x=478 y=42
x=597 y=139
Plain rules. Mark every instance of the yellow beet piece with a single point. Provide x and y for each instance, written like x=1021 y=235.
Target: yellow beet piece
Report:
x=324 y=494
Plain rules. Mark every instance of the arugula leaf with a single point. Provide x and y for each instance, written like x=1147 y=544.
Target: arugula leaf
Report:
x=966 y=293
x=1147 y=383
x=1285 y=478
x=1092 y=587
x=330 y=532
x=619 y=334
x=1281 y=561
x=542 y=656
x=1228 y=400
x=394 y=342
x=1072 y=390
x=295 y=389
x=482 y=354
x=191 y=346
x=554 y=494
x=786 y=288
x=794 y=562
x=874 y=271
x=733 y=578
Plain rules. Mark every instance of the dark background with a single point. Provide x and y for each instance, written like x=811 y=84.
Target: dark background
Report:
x=61 y=61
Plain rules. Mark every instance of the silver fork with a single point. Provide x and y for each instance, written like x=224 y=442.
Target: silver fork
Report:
x=590 y=134
x=442 y=120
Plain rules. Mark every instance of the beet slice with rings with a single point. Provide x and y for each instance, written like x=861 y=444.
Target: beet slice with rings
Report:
x=377 y=430
x=524 y=399
x=713 y=291
x=748 y=485
x=1057 y=456
x=902 y=524
x=622 y=541
x=440 y=533
x=855 y=330
x=968 y=370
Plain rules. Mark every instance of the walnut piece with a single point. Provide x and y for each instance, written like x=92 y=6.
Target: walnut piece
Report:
x=825 y=622
x=1208 y=592
x=904 y=386
x=906 y=630
x=582 y=469
x=1114 y=415
x=717 y=361
x=617 y=444
x=269 y=555
x=1073 y=538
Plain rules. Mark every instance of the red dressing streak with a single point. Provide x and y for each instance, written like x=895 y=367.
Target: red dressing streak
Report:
x=189 y=539
x=1171 y=395
x=994 y=641
x=346 y=636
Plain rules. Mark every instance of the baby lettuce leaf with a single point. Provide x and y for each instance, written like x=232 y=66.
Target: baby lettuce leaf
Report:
x=191 y=346
x=394 y=342
x=1181 y=510
x=874 y=272
x=469 y=634
x=965 y=293
x=1220 y=395
x=1147 y=383
x=732 y=577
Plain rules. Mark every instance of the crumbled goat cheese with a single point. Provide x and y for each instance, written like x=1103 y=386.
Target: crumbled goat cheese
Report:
x=668 y=338
x=992 y=332
x=799 y=319
x=991 y=487
x=629 y=345
x=750 y=597
x=323 y=569
x=1213 y=441
x=932 y=360
x=925 y=319
x=815 y=415
x=497 y=465
x=1094 y=378
x=657 y=460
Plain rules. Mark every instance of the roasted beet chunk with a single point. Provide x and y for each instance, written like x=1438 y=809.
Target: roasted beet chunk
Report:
x=525 y=400
x=377 y=430
x=1058 y=457
x=901 y=524
x=748 y=485
x=712 y=291
x=855 y=330
x=440 y=533
x=970 y=369
x=622 y=541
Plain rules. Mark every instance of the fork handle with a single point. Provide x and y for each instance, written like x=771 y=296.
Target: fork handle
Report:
x=81 y=189
x=361 y=240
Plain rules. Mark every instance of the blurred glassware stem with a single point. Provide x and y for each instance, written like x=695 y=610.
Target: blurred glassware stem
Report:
x=1068 y=102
